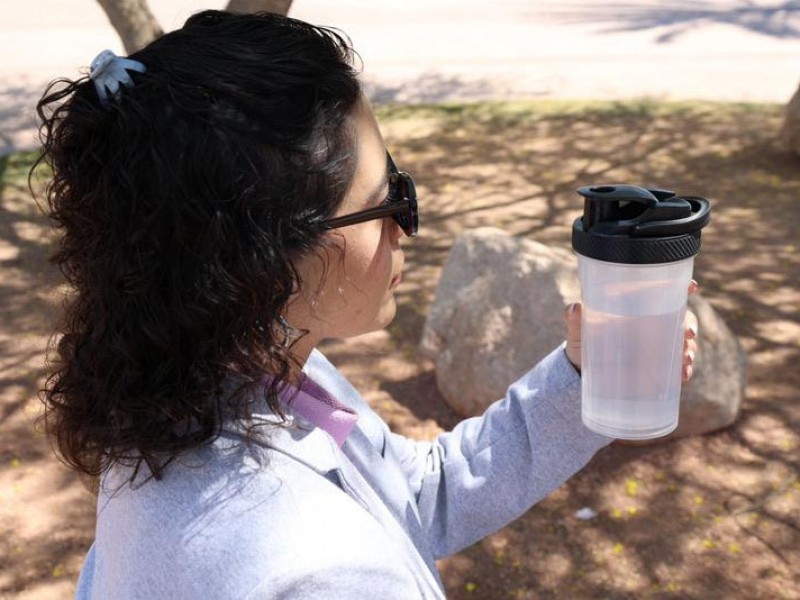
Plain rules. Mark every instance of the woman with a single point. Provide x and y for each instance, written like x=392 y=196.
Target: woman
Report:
x=227 y=202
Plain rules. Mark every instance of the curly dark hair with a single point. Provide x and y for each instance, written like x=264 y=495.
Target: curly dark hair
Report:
x=183 y=205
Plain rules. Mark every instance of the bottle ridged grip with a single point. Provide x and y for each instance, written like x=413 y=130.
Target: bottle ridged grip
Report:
x=627 y=250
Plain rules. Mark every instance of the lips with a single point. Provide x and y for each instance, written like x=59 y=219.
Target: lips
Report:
x=398 y=277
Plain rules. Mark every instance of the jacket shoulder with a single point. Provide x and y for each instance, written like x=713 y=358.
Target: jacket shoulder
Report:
x=238 y=528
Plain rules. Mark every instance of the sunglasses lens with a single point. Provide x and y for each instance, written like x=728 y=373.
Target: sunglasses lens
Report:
x=404 y=220
x=401 y=190
x=408 y=219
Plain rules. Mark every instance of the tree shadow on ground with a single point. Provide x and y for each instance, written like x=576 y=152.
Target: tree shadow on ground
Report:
x=434 y=87
x=46 y=519
x=706 y=517
x=17 y=118
x=674 y=19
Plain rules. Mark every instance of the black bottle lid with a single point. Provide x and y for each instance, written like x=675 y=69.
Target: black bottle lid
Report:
x=633 y=225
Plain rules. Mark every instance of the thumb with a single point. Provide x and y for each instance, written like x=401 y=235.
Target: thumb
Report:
x=572 y=318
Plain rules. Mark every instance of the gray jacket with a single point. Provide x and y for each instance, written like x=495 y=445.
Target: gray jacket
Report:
x=299 y=517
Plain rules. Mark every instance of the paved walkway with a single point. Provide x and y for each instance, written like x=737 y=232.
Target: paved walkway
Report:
x=434 y=50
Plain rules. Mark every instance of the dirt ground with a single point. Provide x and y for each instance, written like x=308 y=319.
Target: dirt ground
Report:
x=707 y=517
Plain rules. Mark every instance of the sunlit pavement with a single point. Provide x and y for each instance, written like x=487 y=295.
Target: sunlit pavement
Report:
x=440 y=50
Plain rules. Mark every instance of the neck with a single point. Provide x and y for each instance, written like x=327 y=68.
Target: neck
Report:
x=301 y=350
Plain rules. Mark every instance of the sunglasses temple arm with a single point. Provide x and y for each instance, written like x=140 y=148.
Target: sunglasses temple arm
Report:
x=361 y=217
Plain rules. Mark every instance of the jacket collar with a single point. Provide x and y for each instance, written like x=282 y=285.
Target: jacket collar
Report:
x=319 y=408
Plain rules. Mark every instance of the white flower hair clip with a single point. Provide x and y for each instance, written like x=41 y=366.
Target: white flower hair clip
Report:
x=109 y=71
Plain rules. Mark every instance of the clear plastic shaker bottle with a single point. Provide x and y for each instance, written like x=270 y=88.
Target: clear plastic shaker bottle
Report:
x=636 y=251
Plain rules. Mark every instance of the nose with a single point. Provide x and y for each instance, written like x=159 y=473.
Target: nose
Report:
x=395 y=231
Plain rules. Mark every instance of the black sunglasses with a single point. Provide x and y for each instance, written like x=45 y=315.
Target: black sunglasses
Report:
x=400 y=204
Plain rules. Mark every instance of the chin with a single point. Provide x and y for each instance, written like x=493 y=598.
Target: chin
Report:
x=390 y=313
x=384 y=317
x=379 y=320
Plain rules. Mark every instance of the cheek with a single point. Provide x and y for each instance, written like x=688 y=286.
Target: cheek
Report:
x=368 y=260
x=357 y=284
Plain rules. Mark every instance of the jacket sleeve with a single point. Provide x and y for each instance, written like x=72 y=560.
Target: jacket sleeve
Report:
x=490 y=469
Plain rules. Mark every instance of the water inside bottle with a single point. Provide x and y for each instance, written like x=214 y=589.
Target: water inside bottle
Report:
x=631 y=387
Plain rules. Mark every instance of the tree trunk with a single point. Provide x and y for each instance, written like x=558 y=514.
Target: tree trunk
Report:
x=133 y=21
x=250 y=6
x=137 y=27
x=791 y=124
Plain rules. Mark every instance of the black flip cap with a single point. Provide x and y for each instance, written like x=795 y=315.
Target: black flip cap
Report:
x=633 y=225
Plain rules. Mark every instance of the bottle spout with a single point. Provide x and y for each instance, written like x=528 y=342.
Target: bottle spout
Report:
x=631 y=224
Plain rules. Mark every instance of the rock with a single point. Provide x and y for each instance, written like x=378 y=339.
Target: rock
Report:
x=790 y=132
x=713 y=397
x=498 y=311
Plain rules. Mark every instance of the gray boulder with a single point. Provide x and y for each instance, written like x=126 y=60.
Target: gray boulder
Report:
x=498 y=311
x=713 y=396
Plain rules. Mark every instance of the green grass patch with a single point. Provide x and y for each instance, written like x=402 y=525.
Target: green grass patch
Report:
x=14 y=168
x=509 y=112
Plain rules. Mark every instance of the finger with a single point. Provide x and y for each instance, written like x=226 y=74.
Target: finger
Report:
x=572 y=310
x=689 y=354
x=572 y=318
x=693 y=287
x=691 y=325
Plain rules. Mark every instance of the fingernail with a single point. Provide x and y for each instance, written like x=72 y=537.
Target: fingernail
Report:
x=693 y=329
x=687 y=372
x=690 y=355
x=571 y=309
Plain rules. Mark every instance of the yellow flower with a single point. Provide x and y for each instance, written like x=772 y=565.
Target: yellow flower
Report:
x=708 y=544
x=734 y=548
x=617 y=548
x=470 y=586
x=631 y=487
